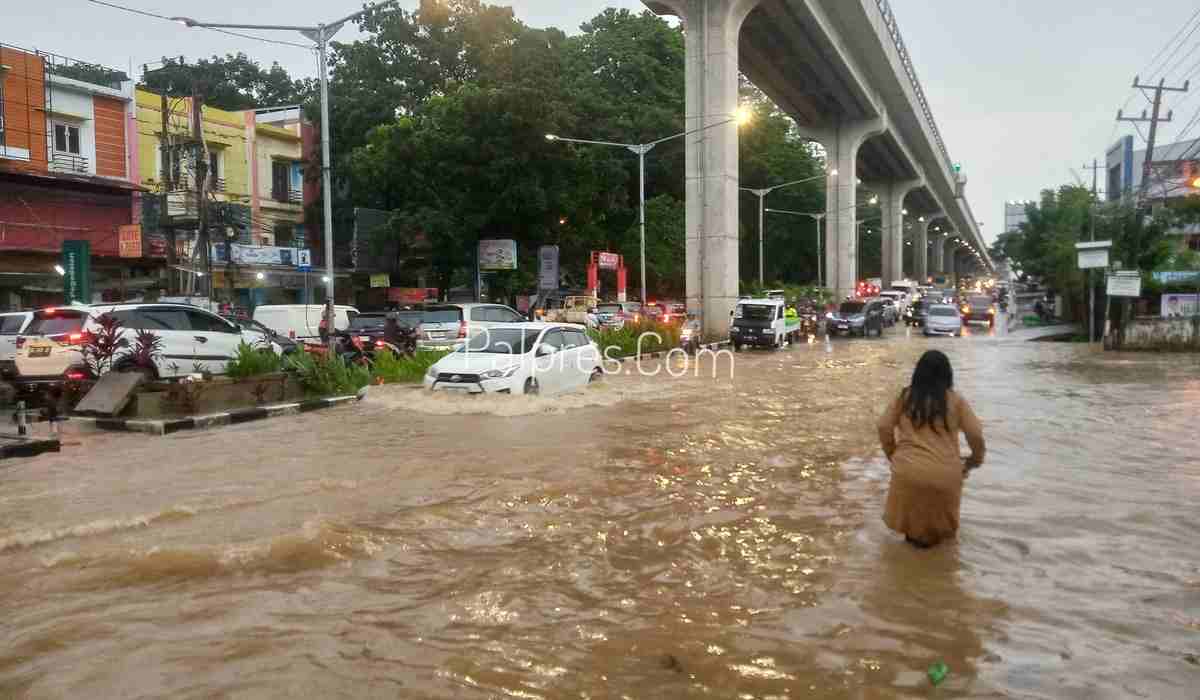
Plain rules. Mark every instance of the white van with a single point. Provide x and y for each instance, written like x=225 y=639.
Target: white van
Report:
x=302 y=321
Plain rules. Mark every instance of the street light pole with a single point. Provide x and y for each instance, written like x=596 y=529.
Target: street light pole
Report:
x=641 y=149
x=319 y=35
x=762 y=193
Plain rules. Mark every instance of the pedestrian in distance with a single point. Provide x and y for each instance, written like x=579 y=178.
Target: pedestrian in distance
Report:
x=919 y=434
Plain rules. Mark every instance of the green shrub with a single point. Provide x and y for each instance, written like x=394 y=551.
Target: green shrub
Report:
x=250 y=361
x=390 y=368
x=328 y=375
x=625 y=340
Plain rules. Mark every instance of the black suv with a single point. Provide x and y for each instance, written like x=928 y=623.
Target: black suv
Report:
x=856 y=318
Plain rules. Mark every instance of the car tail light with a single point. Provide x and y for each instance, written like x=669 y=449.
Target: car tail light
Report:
x=75 y=375
x=462 y=329
x=20 y=342
x=379 y=343
x=966 y=309
x=292 y=334
x=78 y=338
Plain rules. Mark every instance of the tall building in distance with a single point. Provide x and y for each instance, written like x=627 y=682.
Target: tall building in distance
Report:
x=1015 y=214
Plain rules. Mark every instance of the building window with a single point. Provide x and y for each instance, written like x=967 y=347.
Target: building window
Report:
x=66 y=138
x=280 y=181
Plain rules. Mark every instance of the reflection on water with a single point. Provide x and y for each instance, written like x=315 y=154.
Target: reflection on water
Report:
x=649 y=537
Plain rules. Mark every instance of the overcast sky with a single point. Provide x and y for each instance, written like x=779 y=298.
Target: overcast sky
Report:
x=1022 y=90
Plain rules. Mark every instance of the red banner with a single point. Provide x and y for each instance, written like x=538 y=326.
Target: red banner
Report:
x=608 y=261
x=412 y=295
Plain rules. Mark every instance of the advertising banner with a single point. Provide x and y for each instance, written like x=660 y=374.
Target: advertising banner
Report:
x=77 y=269
x=382 y=279
x=258 y=255
x=548 y=268
x=608 y=261
x=129 y=241
x=1177 y=305
x=497 y=254
x=411 y=295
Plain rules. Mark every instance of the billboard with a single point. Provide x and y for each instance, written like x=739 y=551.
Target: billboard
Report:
x=258 y=255
x=608 y=261
x=497 y=254
x=382 y=279
x=548 y=267
x=1180 y=305
x=411 y=295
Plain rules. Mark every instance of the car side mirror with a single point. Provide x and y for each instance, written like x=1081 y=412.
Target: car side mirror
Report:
x=543 y=350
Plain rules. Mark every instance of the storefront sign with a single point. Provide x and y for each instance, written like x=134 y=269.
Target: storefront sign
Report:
x=380 y=280
x=1125 y=285
x=258 y=255
x=499 y=254
x=548 y=267
x=1093 y=254
x=608 y=261
x=77 y=269
x=411 y=295
x=1177 y=305
x=129 y=240
x=156 y=245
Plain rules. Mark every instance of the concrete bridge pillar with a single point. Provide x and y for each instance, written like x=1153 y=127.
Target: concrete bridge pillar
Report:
x=891 y=206
x=711 y=162
x=841 y=142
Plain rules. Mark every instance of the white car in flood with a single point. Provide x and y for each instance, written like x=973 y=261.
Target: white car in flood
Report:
x=943 y=319
x=521 y=358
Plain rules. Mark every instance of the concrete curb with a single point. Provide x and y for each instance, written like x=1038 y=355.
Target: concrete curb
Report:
x=214 y=420
x=16 y=446
x=711 y=347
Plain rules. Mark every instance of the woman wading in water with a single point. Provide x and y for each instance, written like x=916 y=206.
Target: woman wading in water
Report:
x=919 y=434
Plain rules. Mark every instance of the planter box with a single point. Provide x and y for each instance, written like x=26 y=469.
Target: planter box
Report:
x=217 y=395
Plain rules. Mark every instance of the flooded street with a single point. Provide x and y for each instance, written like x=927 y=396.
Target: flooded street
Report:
x=649 y=538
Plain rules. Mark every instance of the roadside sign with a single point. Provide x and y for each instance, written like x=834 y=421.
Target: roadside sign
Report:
x=129 y=240
x=77 y=272
x=304 y=260
x=608 y=261
x=548 y=267
x=1125 y=285
x=1093 y=254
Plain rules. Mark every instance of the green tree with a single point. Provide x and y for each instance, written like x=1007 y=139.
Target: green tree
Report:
x=233 y=82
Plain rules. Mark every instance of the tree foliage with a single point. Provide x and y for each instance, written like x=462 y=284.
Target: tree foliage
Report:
x=231 y=82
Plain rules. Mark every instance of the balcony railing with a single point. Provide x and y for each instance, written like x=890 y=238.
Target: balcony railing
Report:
x=287 y=196
x=186 y=184
x=216 y=184
x=69 y=163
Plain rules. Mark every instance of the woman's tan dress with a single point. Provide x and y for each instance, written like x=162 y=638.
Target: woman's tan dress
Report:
x=927 y=471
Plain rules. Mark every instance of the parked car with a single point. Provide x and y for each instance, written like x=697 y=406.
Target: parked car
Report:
x=522 y=358
x=450 y=325
x=856 y=318
x=917 y=313
x=192 y=340
x=979 y=308
x=11 y=326
x=943 y=319
x=301 y=322
x=286 y=345
x=899 y=298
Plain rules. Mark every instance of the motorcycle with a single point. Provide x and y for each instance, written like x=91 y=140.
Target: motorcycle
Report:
x=690 y=335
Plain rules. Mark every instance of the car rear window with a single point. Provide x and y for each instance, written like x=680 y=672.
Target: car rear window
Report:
x=980 y=301
x=363 y=321
x=851 y=308
x=11 y=325
x=55 y=323
x=442 y=314
x=943 y=311
x=609 y=308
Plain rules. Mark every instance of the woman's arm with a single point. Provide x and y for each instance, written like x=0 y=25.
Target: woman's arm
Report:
x=973 y=429
x=887 y=427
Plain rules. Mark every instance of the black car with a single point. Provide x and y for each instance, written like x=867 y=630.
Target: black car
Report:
x=856 y=318
x=917 y=312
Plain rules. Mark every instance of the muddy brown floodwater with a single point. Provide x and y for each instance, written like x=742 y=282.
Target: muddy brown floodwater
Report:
x=649 y=538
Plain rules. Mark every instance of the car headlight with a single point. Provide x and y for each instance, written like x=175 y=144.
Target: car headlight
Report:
x=431 y=372
x=500 y=373
x=829 y=315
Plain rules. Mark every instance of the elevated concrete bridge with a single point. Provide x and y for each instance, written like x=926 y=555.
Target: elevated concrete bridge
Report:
x=841 y=70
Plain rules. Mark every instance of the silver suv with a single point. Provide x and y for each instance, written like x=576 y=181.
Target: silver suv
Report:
x=449 y=325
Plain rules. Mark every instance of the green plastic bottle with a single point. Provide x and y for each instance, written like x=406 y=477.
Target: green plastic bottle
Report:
x=938 y=672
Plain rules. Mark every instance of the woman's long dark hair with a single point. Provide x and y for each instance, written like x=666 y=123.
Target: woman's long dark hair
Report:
x=925 y=399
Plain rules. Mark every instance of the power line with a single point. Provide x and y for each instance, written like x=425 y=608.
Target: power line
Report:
x=222 y=31
x=1146 y=71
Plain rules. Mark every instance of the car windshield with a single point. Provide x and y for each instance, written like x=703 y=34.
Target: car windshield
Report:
x=409 y=318
x=943 y=311
x=851 y=307
x=608 y=308
x=442 y=314
x=504 y=341
x=367 y=321
x=55 y=323
x=757 y=312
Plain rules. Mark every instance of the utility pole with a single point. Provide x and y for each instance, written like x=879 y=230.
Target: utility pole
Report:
x=168 y=182
x=201 y=155
x=1087 y=273
x=1154 y=119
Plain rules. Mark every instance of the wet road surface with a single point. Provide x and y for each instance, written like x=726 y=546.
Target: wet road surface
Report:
x=653 y=537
